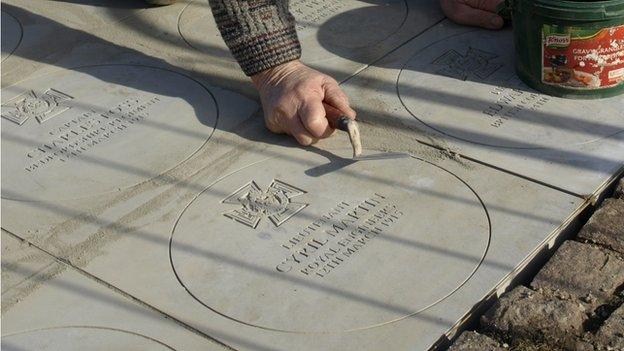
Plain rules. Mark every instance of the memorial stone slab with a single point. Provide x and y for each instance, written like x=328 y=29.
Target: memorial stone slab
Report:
x=99 y=129
x=338 y=37
x=11 y=34
x=321 y=248
x=73 y=312
x=307 y=250
x=105 y=140
x=459 y=87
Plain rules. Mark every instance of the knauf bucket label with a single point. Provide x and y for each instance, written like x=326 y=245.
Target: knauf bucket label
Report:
x=581 y=58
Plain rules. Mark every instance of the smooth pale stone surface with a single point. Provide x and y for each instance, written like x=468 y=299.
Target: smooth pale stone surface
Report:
x=23 y=269
x=475 y=95
x=80 y=338
x=73 y=312
x=314 y=245
x=50 y=41
x=99 y=129
x=336 y=36
x=358 y=25
x=82 y=13
x=460 y=88
x=522 y=215
x=11 y=35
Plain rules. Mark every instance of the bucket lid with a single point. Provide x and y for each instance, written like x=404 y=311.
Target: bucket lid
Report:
x=575 y=10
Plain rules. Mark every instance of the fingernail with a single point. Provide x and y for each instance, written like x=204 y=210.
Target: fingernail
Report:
x=496 y=21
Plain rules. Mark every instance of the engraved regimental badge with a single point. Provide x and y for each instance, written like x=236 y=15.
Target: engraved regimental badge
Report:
x=41 y=106
x=475 y=62
x=275 y=203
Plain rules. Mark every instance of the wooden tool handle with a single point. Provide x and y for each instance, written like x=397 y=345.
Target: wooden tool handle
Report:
x=343 y=123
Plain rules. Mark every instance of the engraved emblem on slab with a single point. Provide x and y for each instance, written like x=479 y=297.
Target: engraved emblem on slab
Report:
x=274 y=203
x=41 y=106
x=475 y=62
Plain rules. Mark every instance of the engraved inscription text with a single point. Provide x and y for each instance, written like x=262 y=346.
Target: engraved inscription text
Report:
x=87 y=130
x=330 y=241
x=310 y=13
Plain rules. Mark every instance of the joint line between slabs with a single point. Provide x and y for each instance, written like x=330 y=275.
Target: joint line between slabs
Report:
x=539 y=182
x=368 y=65
x=565 y=191
x=119 y=291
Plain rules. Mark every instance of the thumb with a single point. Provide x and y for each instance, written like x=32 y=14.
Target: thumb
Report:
x=314 y=118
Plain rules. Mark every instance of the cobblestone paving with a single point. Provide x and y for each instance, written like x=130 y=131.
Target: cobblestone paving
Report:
x=575 y=302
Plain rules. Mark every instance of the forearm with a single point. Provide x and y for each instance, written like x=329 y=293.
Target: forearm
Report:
x=260 y=33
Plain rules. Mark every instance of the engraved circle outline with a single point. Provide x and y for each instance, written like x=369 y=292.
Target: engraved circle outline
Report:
x=90 y=327
x=78 y=68
x=398 y=28
x=398 y=92
x=393 y=32
x=108 y=14
x=21 y=36
x=472 y=273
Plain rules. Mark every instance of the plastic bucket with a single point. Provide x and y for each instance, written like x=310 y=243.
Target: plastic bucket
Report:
x=572 y=48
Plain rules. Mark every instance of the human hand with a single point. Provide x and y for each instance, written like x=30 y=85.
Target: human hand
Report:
x=480 y=13
x=299 y=101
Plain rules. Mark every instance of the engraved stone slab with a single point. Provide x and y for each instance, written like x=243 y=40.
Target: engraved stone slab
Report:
x=68 y=311
x=329 y=245
x=490 y=105
x=99 y=129
x=11 y=35
x=330 y=32
x=462 y=88
x=300 y=251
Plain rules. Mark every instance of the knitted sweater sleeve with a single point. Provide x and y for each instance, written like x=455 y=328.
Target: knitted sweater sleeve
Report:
x=260 y=33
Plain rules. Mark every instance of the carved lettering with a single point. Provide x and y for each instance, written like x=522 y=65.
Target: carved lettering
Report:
x=86 y=131
x=511 y=102
x=312 y=13
x=347 y=231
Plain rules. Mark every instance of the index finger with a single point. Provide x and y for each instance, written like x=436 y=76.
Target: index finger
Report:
x=337 y=99
x=486 y=5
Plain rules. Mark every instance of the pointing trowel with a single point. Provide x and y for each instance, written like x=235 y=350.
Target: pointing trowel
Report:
x=351 y=127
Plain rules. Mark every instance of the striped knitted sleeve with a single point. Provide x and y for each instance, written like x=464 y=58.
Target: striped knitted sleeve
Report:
x=260 y=33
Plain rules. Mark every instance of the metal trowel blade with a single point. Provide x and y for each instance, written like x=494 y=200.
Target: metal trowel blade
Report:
x=381 y=156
